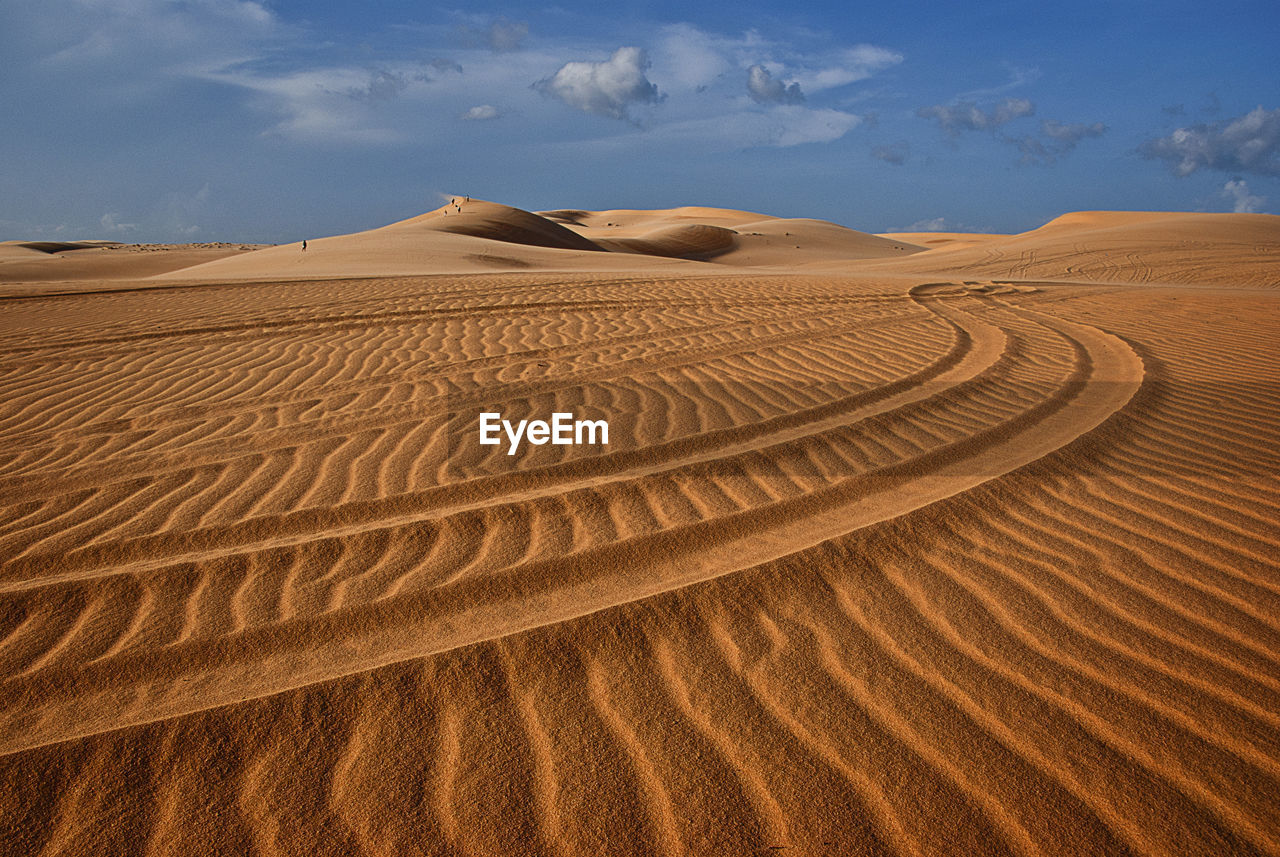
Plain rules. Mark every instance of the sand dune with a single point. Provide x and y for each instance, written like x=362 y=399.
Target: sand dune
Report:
x=693 y=241
x=82 y=262
x=883 y=556
x=476 y=235
x=1124 y=247
x=495 y=222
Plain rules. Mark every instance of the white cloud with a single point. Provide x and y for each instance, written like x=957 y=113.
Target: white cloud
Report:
x=607 y=88
x=112 y=226
x=688 y=59
x=933 y=224
x=705 y=103
x=1243 y=202
x=763 y=89
x=481 y=112
x=272 y=85
x=316 y=106
x=777 y=127
x=1246 y=144
x=849 y=66
x=792 y=126
x=182 y=38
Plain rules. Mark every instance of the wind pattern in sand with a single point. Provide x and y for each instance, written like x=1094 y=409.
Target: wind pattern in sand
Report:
x=870 y=566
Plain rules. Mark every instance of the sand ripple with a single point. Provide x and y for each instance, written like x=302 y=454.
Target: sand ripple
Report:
x=905 y=565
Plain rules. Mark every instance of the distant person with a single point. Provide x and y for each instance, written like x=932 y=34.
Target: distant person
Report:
x=304 y=245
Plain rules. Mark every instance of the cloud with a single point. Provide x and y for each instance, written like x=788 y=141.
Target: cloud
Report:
x=763 y=89
x=935 y=224
x=690 y=59
x=112 y=227
x=1246 y=144
x=967 y=116
x=500 y=36
x=686 y=58
x=797 y=125
x=505 y=35
x=607 y=88
x=1018 y=78
x=850 y=65
x=1237 y=191
x=438 y=65
x=382 y=86
x=700 y=79
x=124 y=38
x=1059 y=138
x=481 y=112
x=893 y=153
x=782 y=126
x=1034 y=150
x=327 y=106
x=1069 y=134
x=178 y=210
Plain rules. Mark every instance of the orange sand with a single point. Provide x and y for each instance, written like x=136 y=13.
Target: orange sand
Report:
x=902 y=544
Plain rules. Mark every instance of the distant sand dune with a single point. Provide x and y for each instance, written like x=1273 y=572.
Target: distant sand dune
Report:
x=965 y=550
x=475 y=235
x=82 y=264
x=1126 y=247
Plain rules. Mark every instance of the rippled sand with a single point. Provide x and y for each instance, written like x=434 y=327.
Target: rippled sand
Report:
x=966 y=551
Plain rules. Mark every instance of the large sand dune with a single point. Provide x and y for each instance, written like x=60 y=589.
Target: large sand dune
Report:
x=475 y=236
x=962 y=550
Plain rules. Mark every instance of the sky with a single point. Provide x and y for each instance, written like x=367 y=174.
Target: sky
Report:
x=274 y=120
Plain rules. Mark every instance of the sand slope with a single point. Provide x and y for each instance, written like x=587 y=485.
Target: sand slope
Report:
x=476 y=235
x=79 y=261
x=936 y=240
x=876 y=562
x=1123 y=247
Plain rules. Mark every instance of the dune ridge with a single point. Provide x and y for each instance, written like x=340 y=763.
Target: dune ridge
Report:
x=951 y=550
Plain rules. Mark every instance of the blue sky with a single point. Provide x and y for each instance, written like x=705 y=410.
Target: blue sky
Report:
x=234 y=120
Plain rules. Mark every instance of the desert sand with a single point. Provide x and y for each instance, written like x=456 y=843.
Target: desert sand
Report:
x=901 y=544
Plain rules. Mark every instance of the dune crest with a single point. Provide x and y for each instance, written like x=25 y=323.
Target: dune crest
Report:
x=494 y=222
